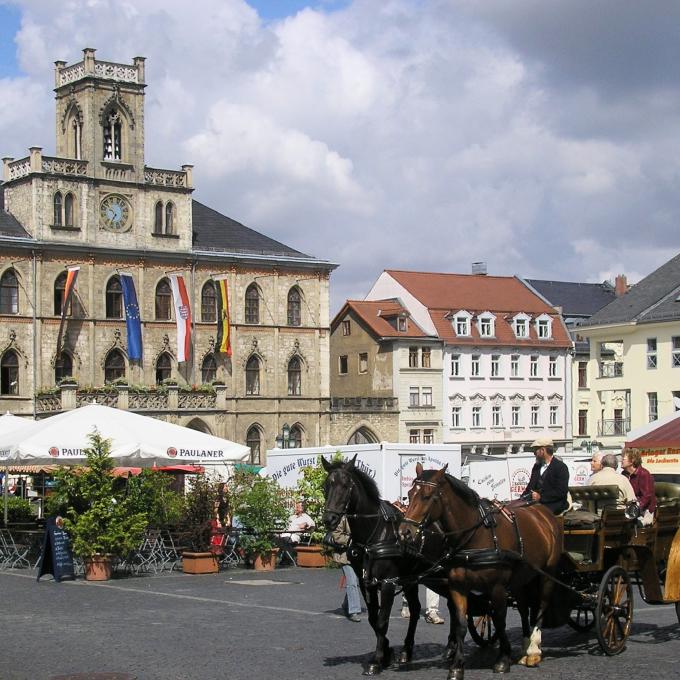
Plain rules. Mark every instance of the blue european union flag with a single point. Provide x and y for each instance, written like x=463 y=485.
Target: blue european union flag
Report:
x=132 y=320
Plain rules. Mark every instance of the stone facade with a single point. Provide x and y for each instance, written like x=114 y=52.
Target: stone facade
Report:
x=113 y=226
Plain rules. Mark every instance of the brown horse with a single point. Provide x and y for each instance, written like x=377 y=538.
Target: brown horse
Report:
x=489 y=551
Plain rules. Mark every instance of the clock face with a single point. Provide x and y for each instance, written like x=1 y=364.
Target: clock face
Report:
x=114 y=212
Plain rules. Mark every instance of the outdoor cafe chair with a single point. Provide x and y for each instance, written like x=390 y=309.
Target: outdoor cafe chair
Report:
x=12 y=554
x=231 y=555
x=149 y=556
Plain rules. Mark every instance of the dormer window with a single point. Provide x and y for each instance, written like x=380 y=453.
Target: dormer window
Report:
x=461 y=324
x=520 y=325
x=486 y=325
x=544 y=327
x=401 y=324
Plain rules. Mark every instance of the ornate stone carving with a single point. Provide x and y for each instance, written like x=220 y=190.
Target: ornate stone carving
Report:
x=20 y=168
x=71 y=74
x=64 y=166
x=116 y=102
x=195 y=400
x=121 y=72
x=165 y=178
x=147 y=401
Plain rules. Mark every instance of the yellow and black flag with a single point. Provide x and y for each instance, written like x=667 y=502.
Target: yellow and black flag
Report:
x=223 y=344
x=71 y=278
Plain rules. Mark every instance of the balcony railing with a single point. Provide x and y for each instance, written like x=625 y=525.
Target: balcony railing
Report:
x=611 y=369
x=613 y=427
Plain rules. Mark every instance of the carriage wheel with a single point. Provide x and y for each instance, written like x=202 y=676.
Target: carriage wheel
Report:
x=581 y=619
x=482 y=630
x=614 y=611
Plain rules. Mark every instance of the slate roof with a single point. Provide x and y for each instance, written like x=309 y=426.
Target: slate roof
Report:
x=655 y=298
x=375 y=315
x=9 y=225
x=575 y=299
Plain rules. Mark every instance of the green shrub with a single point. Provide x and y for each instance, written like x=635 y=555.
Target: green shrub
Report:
x=18 y=509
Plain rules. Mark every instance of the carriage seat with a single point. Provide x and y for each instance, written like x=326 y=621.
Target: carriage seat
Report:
x=580 y=519
x=667 y=493
x=595 y=499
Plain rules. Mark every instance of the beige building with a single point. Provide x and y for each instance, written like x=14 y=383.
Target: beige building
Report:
x=98 y=206
x=633 y=371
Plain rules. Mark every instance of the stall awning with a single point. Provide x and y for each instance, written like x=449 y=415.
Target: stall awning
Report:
x=30 y=469
x=660 y=448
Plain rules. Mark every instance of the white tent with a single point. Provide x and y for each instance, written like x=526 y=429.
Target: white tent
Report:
x=135 y=440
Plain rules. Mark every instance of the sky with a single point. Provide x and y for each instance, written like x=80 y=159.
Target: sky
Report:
x=539 y=136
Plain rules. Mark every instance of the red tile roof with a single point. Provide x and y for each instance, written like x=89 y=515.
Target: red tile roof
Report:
x=664 y=436
x=375 y=315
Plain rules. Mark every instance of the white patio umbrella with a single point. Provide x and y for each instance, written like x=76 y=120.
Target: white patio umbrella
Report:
x=135 y=440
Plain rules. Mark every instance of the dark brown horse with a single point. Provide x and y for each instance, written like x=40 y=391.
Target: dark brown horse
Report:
x=491 y=552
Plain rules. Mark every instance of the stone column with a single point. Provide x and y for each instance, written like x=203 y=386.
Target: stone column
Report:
x=36 y=158
x=173 y=397
x=123 y=397
x=68 y=397
x=220 y=397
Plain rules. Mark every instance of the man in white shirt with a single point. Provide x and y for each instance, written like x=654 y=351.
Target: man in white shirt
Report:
x=609 y=476
x=298 y=522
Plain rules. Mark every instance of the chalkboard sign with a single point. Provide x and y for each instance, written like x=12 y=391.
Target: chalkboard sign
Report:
x=56 y=557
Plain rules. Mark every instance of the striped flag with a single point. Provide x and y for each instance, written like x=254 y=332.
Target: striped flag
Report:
x=71 y=278
x=223 y=344
x=180 y=297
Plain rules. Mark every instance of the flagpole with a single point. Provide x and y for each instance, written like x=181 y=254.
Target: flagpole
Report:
x=193 y=323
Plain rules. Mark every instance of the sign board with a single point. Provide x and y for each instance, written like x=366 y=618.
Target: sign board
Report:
x=56 y=557
x=661 y=461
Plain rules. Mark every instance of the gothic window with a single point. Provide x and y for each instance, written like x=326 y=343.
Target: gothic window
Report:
x=252 y=304
x=68 y=210
x=208 y=369
x=58 y=205
x=163 y=368
x=294 y=377
x=63 y=367
x=254 y=443
x=208 y=303
x=113 y=143
x=9 y=293
x=363 y=436
x=114 y=366
x=59 y=290
x=158 y=219
x=163 y=300
x=295 y=440
x=9 y=373
x=253 y=376
x=76 y=138
x=114 y=299
x=169 y=218
x=294 y=307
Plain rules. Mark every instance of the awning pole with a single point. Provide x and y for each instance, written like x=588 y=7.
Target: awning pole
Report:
x=5 y=481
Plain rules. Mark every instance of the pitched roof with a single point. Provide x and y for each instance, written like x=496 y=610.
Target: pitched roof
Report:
x=9 y=225
x=655 y=298
x=575 y=299
x=375 y=314
x=667 y=435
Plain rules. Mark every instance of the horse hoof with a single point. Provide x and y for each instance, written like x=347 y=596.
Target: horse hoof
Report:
x=404 y=658
x=373 y=669
x=502 y=667
x=456 y=674
x=533 y=660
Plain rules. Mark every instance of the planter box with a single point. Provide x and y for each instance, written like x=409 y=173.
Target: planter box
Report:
x=199 y=563
x=310 y=556
x=266 y=562
x=98 y=568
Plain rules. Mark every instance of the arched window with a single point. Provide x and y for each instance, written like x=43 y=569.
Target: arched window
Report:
x=252 y=304
x=9 y=373
x=208 y=369
x=363 y=436
x=208 y=303
x=295 y=440
x=76 y=138
x=58 y=205
x=68 y=210
x=254 y=443
x=114 y=299
x=114 y=366
x=163 y=300
x=9 y=293
x=169 y=218
x=158 y=219
x=294 y=377
x=63 y=367
x=59 y=289
x=253 y=376
x=113 y=143
x=163 y=368
x=294 y=307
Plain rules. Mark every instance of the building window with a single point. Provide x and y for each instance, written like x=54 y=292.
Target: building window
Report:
x=425 y=357
x=652 y=406
x=514 y=365
x=208 y=369
x=114 y=366
x=583 y=422
x=113 y=145
x=413 y=397
x=462 y=325
x=455 y=416
x=651 y=352
x=474 y=368
x=68 y=210
x=428 y=436
x=59 y=290
x=619 y=422
x=414 y=436
x=413 y=357
x=158 y=218
x=553 y=415
x=476 y=416
x=401 y=324
x=363 y=362
x=521 y=328
x=455 y=365
x=294 y=307
x=495 y=416
x=552 y=367
x=543 y=329
x=486 y=327
x=9 y=373
x=533 y=366
x=346 y=327
x=169 y=218
x=252 y=304
x=163 y=300
x=208 y=303
x=342 y=365
x=676 y=400
x=582 y=375
x=57 y=219
x=254 y=443
x=294 y=377
x=534 y=415
x=514 y=413
x=675 y=355
x=295 y=438
x=114 y=299
x=163 y=368
x=253 y=376
x=495 y=365
x=63 y=367
x=9 y=293
x=426 y=394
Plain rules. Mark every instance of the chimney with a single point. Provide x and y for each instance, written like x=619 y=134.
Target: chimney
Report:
x=479 y=268
x=620 y=285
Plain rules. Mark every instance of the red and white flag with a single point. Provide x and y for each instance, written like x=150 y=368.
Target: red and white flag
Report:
x=180 y=298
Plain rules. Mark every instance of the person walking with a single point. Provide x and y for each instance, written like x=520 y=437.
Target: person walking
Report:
x=351 y=603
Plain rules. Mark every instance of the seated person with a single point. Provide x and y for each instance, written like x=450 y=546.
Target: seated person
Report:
x=298 y=522
x=595 y=464
x=549 y=481
x=642 y=482
x=608 y=475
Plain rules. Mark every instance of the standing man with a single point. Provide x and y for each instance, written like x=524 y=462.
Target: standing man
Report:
x=642 y=482
x=351 y=604
x=549 y=481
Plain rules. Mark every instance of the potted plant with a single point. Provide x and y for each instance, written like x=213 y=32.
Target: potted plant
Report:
x=260 y=506
x=98 y=517
x=199 y=511
x=310 y=491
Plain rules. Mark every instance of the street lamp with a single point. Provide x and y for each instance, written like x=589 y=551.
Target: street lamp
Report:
x=283 y=440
